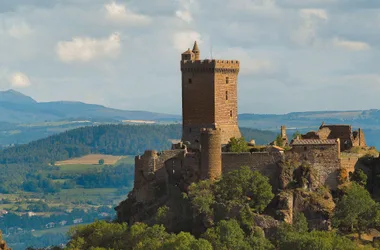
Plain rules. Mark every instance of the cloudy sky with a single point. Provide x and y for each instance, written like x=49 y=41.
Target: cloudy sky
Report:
x=296 y=55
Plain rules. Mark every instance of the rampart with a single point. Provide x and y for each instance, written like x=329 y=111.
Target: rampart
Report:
x=264 y=162
x=323 y=158
x=150 y=169
x=348 y=163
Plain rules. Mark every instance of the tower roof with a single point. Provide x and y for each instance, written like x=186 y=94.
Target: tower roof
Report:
x=188 y=51
x=195 y=48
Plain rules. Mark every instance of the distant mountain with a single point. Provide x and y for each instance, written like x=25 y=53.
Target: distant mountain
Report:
x=12 y=96
x=18 y=108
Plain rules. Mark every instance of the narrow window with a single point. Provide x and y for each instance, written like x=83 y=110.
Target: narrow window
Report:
x=227 y=80
x=190 y=81
x=189 y=130
x=230 y=113
x=226 y=95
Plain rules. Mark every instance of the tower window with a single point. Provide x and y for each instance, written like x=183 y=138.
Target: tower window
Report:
x=230 y=113
x=227 y=80
x=226 y=95
x=190 y=81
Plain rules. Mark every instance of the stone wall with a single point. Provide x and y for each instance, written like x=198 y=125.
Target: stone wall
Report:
x=152 y=168
x=264 y=162
x=349 y=163
x=324 y=160
x=359 y=138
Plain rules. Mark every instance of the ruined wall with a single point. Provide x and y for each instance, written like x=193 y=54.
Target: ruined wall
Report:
x=150 y=168
x=348 y=163
x=324 y=133
x=324 y=160
x=264 y=162
x=343 y=132
x=359 y=138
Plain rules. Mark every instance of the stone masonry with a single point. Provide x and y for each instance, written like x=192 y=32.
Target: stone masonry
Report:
x=209 y=96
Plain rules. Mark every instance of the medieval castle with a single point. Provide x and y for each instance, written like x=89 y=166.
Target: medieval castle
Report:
x=210 y=120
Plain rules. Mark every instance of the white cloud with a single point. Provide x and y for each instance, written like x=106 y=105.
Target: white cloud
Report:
x=311 y=20
x=249 y=65
x=185 y=15
x=19 y=30
x=19 y=80
x=253 y=5
x=85 y=49
x=120 y=13
x=310 y=13
x=184 y=40
x=183 y=12
x=350 y=45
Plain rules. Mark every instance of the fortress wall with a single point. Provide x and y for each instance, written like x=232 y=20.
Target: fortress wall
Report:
x=349 y=163
x=359 y=139
x=150 y=168
x=324 y=160
x=264 y=162
x=362 y=142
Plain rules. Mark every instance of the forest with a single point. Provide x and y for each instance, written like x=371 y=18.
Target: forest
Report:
x=21 y=165
x=105 y=139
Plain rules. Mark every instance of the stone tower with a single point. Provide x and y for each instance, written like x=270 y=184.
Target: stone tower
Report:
x=209 y=96
x=211 y=157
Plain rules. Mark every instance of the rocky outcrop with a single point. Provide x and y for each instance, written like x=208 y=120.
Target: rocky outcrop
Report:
x=3 y=245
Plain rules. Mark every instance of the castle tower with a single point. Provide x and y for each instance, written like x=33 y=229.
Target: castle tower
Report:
x=196 y=51
x=283 y=132
x=211 y=154
x=209 y=96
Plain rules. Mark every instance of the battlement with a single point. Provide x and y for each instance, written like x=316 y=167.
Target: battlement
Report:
x=210 y=65
x=210 y=61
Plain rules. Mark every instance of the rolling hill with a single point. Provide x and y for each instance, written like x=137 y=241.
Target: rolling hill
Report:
x=18 y=108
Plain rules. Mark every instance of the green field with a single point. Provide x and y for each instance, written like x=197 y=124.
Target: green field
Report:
x=80 y=168
x=77 y=167
x=58 y=229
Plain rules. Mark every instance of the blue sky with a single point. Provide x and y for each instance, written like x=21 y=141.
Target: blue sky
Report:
x=296 y=55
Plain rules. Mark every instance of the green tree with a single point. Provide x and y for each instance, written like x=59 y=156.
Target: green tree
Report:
x=185 y=241
x=227 y=235
x=315 y=240
x=238 y=145
x=359 y=177
x=143 y=237
x=101 y=162
x=98 y=234
x=202 y=197
x=244 y=186
x=300 y=223
x=279 y=141
x=297 y=134
x=356 y=211
x=257 y=240
x=162 y=213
